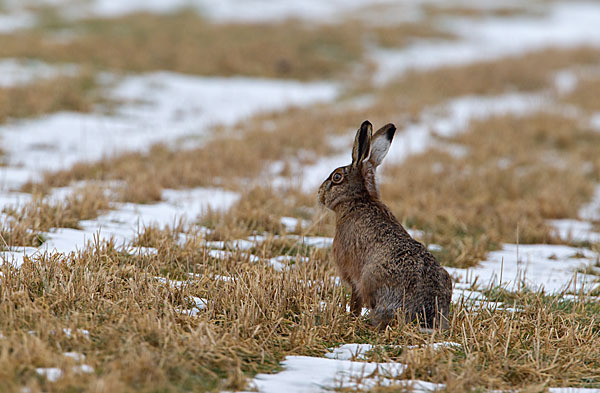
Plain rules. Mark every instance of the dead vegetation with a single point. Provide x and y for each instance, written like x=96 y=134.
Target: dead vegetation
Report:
x=187 y=43
x=63 y=93
x=529 y=72
x=131 y=328
x=585 y=95
x=23 y=225
x=446 y=10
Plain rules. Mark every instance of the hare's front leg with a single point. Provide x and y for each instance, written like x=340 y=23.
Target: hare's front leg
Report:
x=355 y=303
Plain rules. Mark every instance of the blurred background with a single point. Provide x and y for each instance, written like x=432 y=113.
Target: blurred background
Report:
x=156 y=102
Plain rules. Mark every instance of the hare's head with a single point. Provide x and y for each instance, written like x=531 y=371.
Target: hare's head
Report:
x=357 y=180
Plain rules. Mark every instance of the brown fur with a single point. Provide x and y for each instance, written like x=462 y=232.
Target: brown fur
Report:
x=386 y=269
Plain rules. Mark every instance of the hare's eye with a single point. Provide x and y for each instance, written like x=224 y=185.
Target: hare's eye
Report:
x=337 y=178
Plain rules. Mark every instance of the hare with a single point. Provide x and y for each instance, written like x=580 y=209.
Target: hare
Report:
x=386 y=269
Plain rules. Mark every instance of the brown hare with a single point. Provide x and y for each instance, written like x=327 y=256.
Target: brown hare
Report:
x=386 y=269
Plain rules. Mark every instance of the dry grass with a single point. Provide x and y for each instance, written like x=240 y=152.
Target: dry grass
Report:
x=586 y=95
x=138 y=341
x=187 y=43
x=24 y=224
x=397 y=36
x=528 y=72
x=76 y=93
x=436 y=10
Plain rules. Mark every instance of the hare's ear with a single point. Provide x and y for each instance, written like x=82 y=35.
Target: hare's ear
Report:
x=380 y=144
x=362 y=143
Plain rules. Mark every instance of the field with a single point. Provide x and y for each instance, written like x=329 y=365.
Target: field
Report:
x=159 y=161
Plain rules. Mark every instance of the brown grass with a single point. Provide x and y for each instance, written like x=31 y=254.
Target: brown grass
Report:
x=397 y=36
x=139 y=342
x=586 y=95
x=187 y=43
x=435 y=10
x=46 y=96
x=25 y=223
x=529 y=72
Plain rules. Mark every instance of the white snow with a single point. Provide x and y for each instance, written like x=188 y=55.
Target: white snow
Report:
x=573 y=390
x=282 y=262
x=349 y=351
x=291 y=223
x=78 y=357
x=536 y=266
x=566 y=25
x=222 y=254
x=157 y=107
x=575 y=230
x=595 y=121
x=565 y=81
x=52 y=374
x=591 y=211
x=199 y=305
x=16 y=255
x=16 y=72
x=15 y=21
x=83 y=368
x=313 y=241
x=359 y=351
x=312 y=374
x=70 y=332
x=142 y=251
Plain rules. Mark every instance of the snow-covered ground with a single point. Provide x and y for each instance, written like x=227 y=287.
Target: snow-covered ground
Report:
x=15 y=72
x=156 y=107
x=536 y=266
x=568 y=24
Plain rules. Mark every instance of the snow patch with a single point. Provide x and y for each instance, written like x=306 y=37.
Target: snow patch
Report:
x=566 y=25
x=575 y=230
x=16 y=72
x=52 y=374
x=16 y=21
x=313 y=374
x=127 y=220
x=591 y=211
x=199 y=305
x=78 y=357
x=536 y=266
x=157 y=107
